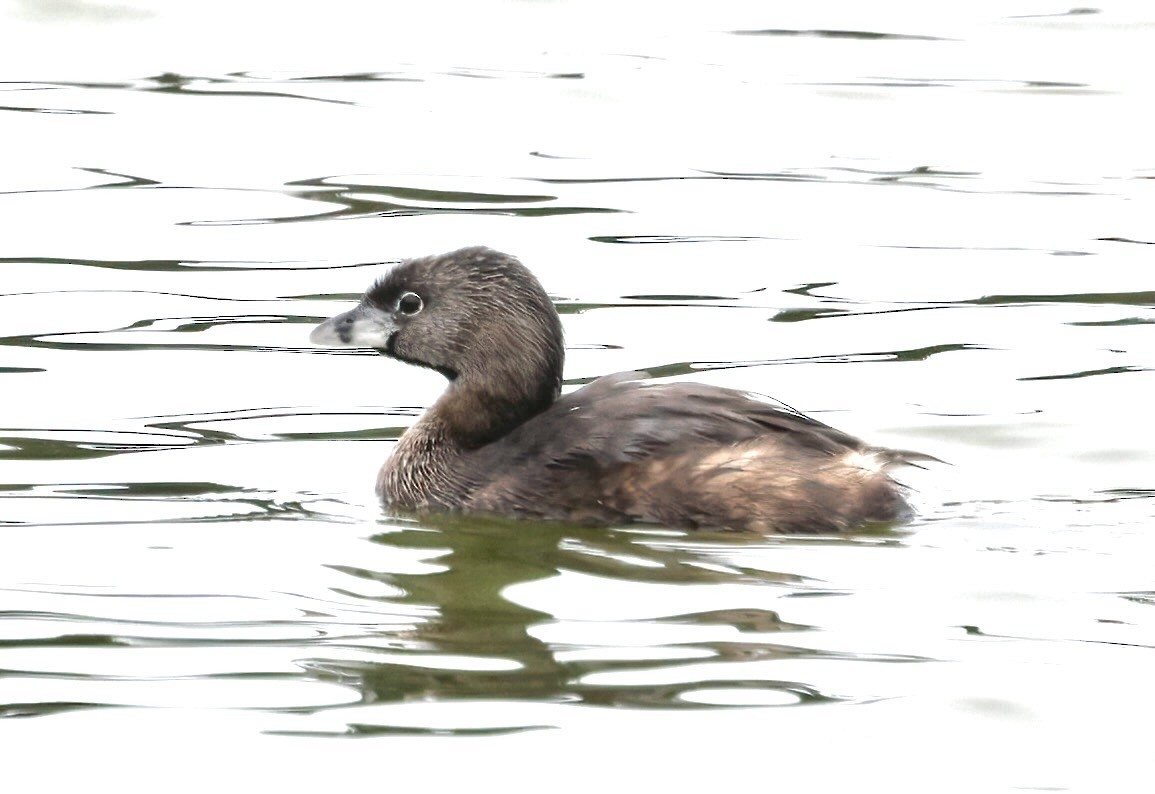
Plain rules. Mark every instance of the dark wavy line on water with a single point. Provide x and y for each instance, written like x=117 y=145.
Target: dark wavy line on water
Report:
x=1068 y=13
x=11 y=710
x=55 y=111
x=665 y=239
x=916 y=177
x=245 y=84
x=402 y=212
x=31 y=447
x=248 y=505
x=857 y=35
x=920 y=176
x=358 y=200
x=34 y=340
x=1032 y=86
x=778 y=176
x=416 y=75
x=1089 y=373
x=1145 y=298
x=1108 y=323
x=187 y=85
x=1127 y=239
x=202 y=265
x=678 y=368
x=357 y=729
x=130 y=181
x=203 y=435
x=183 y=433
x=1130 y=493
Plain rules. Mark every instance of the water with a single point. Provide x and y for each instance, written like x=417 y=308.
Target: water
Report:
x=928 y=226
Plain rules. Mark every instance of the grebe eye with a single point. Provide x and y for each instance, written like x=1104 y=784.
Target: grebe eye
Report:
x=410 y=303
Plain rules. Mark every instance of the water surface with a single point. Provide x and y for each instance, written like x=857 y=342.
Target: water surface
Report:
x=927 y=226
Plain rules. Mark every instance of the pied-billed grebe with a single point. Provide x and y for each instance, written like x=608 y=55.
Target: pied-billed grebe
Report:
x=501 y=441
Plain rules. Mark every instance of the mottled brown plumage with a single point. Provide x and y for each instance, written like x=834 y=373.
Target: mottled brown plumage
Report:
x=500 y=441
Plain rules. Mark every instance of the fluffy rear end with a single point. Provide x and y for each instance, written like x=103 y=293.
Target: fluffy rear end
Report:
x=761 y=486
